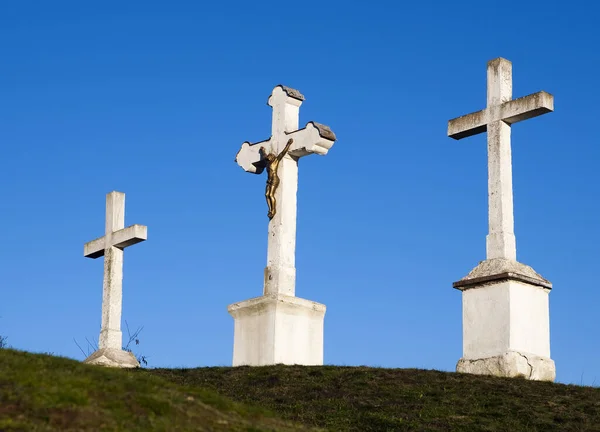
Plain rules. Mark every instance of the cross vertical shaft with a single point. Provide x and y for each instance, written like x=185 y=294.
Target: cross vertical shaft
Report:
x=112 y=288
x=280 y=273
x=500 y=241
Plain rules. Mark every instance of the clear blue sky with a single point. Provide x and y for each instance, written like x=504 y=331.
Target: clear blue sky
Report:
x=155 y=98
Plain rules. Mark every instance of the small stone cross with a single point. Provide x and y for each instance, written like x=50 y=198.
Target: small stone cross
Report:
x=280 y=273
x=111 y=245
x=501 y=112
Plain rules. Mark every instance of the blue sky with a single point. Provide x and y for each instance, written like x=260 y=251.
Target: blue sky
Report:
x=155 y=98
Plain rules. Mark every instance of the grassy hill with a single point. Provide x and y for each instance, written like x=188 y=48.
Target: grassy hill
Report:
x=44 y=393
x=370 y=399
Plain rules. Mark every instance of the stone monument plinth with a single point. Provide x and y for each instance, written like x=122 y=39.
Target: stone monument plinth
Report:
x=277 y=328
x=506 y=325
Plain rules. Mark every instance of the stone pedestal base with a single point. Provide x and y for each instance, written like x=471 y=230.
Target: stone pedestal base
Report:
x=276 y=329
x=506 y=321
x=511 y=364
x=113 y=358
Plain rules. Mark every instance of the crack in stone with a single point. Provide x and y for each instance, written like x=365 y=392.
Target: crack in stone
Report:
x=528 y=364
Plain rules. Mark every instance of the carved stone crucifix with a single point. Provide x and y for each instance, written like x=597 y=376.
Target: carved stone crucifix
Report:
x=280 y=273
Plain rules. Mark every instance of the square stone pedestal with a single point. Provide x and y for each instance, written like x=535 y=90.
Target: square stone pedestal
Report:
x=113 y=358
x=506 y=321
x=275 y=329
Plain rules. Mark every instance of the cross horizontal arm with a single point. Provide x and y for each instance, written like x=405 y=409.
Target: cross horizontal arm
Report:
x=314 y=138
x=94 y=249
x=129 y=236
x=468 y=125
x=124 y=237
x=513 y=111
x=527 y=107
x=249 y=156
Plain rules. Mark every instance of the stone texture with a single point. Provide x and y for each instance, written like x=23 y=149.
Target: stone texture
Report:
x=277 y=329
x=511 y=364
x=280 y=272
x=499 y=269
x=324 y=131
x=510 y=112
x=293 y=93
x=111 y=246
x=112 y=358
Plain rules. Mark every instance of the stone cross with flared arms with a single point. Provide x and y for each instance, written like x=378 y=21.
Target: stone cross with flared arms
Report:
x=280 y=273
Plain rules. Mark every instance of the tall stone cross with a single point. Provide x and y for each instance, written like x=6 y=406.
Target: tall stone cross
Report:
x=501 y=112
x=111 y=245
x=505 y=303
x=314 y=138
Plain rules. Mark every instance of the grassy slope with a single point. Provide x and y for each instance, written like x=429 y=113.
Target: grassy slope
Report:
x=44 y=393
x=369 y=399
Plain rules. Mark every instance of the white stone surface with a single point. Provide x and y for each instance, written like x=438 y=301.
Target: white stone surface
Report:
x=505 y=316
x=111 y=246
x=258 y=337
x=506 y=319
x=277 y=328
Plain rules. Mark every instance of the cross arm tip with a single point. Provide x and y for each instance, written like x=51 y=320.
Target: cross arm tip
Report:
x=248 y=157
x=293 y=96
x=527 y=107
x=467 y=125
x=94 y=249
x=131 y=235
x=293 y=93
x=324 y=130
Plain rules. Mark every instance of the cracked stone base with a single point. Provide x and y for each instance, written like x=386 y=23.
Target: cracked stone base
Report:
x=113 y=358
x=511 y=364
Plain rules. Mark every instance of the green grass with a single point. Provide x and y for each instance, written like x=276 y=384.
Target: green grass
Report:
x=44 y=393
x=371 y=399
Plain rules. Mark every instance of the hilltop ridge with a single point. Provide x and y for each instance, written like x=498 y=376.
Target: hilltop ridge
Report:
x=45 y=393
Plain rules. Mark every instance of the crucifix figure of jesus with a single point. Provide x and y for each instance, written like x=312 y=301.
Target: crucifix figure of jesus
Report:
x=501 y=112
x=280 y=155
x=111 y=245
x=272 y=162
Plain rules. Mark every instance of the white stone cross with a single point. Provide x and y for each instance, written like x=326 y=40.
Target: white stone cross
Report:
x=280 y=273
x=501 y=112
x=111 y=245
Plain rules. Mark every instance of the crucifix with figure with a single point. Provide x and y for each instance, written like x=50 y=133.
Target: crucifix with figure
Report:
x=291 y=329
x=111 y=246
x=280 y=155
x=506 y=329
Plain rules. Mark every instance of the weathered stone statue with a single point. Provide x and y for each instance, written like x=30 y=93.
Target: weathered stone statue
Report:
x=272 y=163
